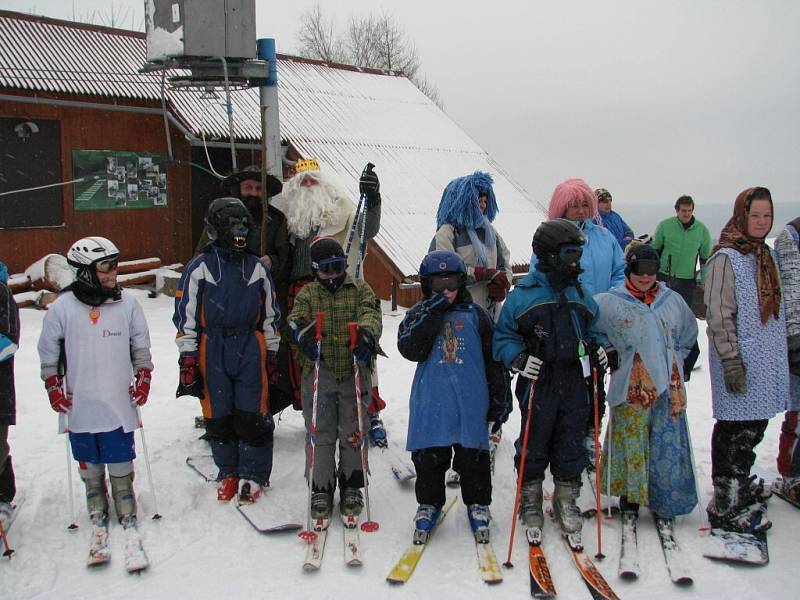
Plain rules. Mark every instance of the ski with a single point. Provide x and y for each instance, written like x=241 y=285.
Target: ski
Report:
x=729 y=546
x=259 y=517
x=99 y=551
x=597 y=585
x=629 y=548
x=314 y=551
x=352 y=541
x=542 y=585
x=203 y=465
x=136 y=560
x=777 y=488
x=488 y=564
x=404 y=568
x=677 y=563
x=587 y=502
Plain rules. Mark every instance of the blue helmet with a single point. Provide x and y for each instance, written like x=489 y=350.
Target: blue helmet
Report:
x=440 y=262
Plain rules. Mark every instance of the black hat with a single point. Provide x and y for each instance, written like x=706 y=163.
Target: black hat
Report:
x=638 y=253
x=324 y=248
x=230 y=185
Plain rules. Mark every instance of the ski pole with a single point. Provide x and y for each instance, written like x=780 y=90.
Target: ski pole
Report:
x=362 y=202
x=369 y=525
x=309 y=534
x=8 y=549
x=508 y=564
x=362 y=241
x=156 y=516
x=599 y=514
x=73 y=526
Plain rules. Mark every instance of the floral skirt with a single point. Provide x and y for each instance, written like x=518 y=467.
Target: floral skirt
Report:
x=650 y=456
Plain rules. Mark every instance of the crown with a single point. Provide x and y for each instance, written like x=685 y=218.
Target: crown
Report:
x=303 y=165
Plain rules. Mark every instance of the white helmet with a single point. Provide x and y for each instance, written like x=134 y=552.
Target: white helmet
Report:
x=87 y=251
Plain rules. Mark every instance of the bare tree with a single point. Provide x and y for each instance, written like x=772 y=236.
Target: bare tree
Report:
x=370 y=42
x=317 y=37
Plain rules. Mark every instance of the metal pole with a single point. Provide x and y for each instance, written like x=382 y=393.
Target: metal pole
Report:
x=229 y=110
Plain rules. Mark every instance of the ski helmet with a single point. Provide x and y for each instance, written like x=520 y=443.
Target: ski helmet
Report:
x=558 y=244
x=87 y=255
x=441 y=262
x=228 y=223
x=641 y=259
x=328 y=258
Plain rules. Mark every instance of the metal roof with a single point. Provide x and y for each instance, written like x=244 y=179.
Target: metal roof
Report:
x=344 y=117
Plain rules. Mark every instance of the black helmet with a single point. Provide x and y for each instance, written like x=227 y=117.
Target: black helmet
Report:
x=642 y=259
x=328 y=258
x=558 y=244
x=441 y=262
x=228 y=223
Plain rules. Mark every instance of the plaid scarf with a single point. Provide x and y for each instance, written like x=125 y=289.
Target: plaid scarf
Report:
x=734 y=235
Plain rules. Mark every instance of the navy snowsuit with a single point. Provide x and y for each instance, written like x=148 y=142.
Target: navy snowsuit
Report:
x=537 y=319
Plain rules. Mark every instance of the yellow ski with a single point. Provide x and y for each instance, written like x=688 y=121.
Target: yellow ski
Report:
x=402 y=571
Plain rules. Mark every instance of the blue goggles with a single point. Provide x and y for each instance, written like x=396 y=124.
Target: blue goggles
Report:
x=570 y=253
x=330 y=266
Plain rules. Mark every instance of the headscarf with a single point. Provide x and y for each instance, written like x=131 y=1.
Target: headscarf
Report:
x=734 y=235
x=459 y=206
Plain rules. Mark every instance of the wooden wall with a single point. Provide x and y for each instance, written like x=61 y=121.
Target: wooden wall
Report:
x=140 y=233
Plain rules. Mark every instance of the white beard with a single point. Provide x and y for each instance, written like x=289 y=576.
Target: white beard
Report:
x=310 y=209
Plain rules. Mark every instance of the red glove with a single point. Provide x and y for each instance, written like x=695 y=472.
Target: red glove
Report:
x=498 y=286
x=272 y=366
x=190 y=382
x=140 y=389
x=55 y=392
x=482 y=273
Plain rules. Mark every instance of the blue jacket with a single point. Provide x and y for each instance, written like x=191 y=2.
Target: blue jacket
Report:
x=617 y=226
x=661 y=333
x=535 y=320
x=602 y=262
x=457 y=387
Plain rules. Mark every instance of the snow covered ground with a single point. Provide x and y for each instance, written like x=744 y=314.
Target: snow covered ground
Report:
x=201 y=549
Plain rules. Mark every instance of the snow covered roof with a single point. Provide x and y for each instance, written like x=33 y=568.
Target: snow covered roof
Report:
x=344 y=117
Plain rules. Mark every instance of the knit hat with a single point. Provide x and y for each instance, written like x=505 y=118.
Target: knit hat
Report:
x=324 y=248
x=600 y=192
x=636 y=252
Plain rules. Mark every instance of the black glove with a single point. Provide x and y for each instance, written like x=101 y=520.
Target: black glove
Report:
x=794 y=354
x=190 y=381
x=303 y=335
x=598 y=359
x=370 y=186
x=735 y=380
x=613 y=358
x=365 y=346
x=527 y=365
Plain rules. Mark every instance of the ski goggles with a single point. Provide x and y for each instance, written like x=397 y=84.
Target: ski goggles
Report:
x=107 y=265
x=330 y=266
x=444 y=281
x=570 y=253
x=644 y=266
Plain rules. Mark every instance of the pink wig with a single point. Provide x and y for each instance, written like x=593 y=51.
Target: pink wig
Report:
x=568 y=193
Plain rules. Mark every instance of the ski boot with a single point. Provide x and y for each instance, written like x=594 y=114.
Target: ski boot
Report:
x=424 y=521
x=124 y=499
x=730 y=508
x=351 y=502
x=787 y=487
x=530 y=504
x=377 y=432
x=566 y=511
x=97 y=500
x=321 y=508
x=479 y=519
x=249 y=491
x=227 y=488
x=757 y=490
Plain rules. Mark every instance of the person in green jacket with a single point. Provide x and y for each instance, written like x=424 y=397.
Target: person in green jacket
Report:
x=681 y=240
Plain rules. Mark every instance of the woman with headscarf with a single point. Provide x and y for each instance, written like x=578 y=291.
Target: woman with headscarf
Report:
x=647 y=456
x=747 y=354
x=464 y=226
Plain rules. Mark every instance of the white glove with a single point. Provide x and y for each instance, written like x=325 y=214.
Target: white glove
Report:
x=602 y=358
x=527 y=365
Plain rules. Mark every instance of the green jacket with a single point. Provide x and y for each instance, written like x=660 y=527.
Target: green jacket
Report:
x=680 y=247
x=353 y=301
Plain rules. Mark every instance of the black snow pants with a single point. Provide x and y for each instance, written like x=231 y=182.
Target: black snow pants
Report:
x=732 y=444
x=472 y=464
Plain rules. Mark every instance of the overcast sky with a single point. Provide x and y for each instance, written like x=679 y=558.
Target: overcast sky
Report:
x=650 y=99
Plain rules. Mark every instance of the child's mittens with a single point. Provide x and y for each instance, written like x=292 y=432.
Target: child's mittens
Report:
x=365 y=346
x=304 y=336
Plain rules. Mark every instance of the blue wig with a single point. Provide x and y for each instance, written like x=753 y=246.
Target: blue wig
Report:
x=459 y=204
x=3 y=272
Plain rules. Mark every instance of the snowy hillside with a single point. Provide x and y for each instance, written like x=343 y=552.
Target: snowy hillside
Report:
x=201 y=549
